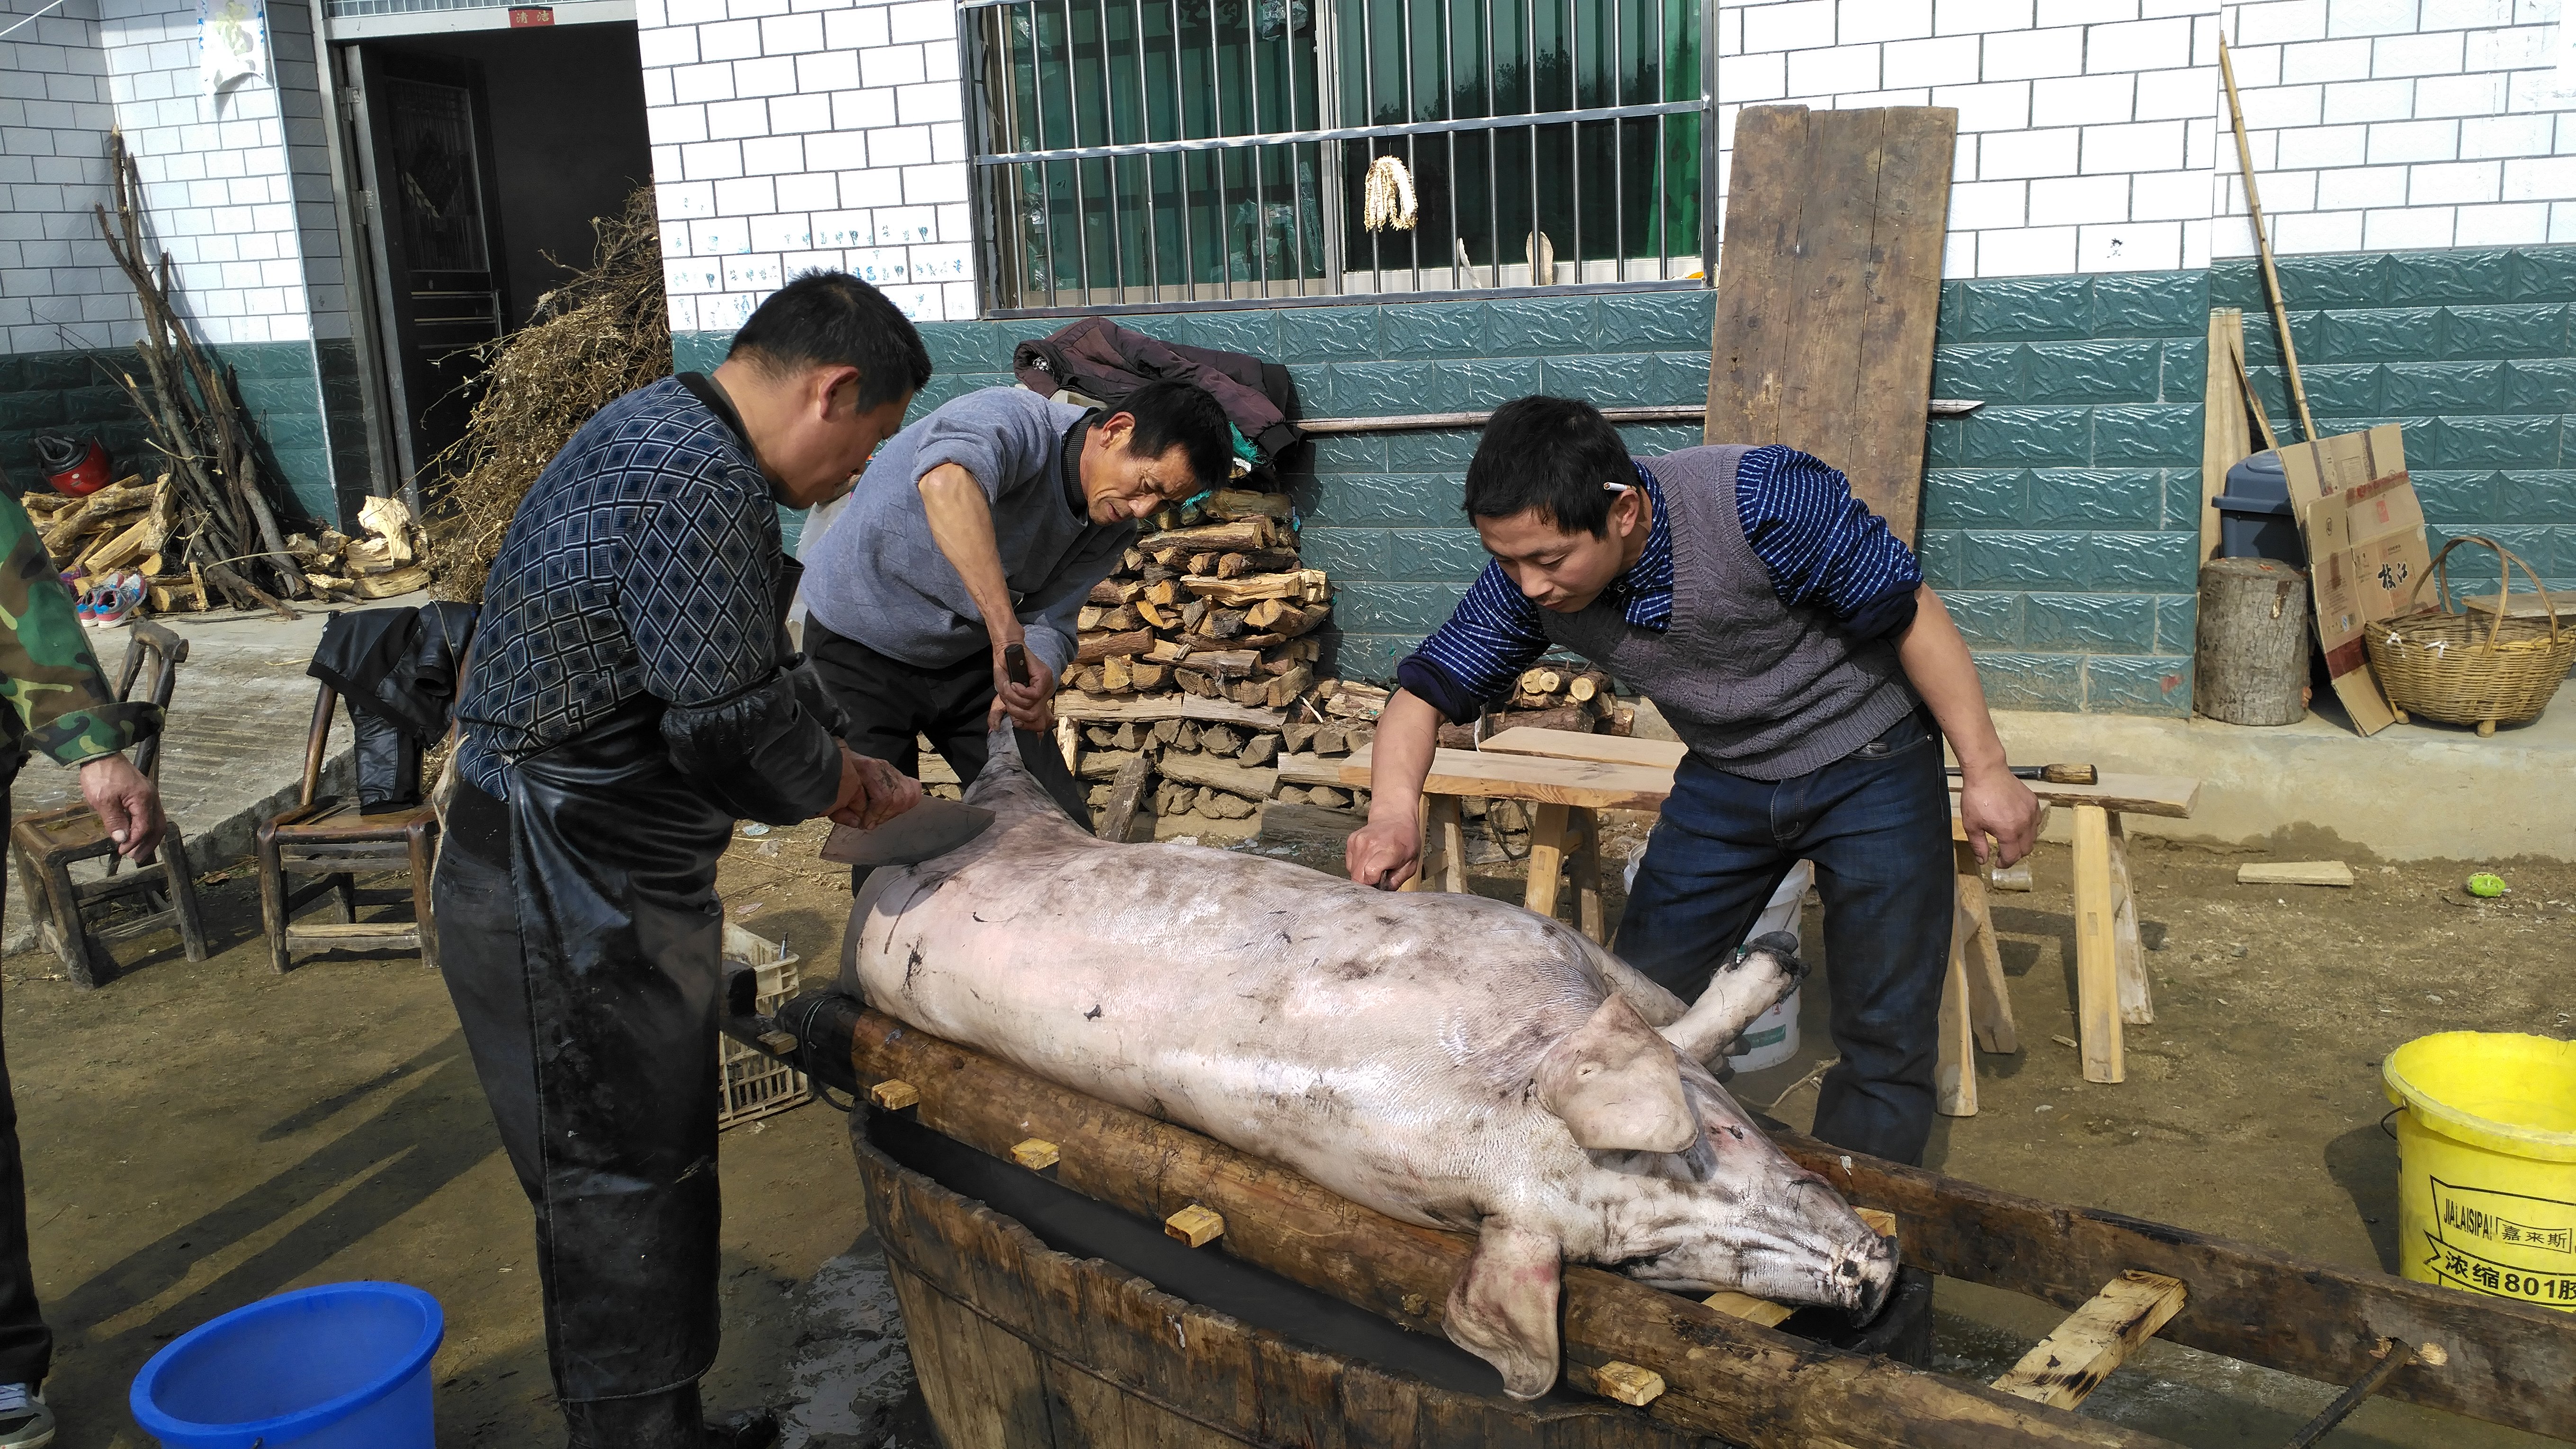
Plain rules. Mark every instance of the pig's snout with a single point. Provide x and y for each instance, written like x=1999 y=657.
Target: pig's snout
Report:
x=1862 y=1276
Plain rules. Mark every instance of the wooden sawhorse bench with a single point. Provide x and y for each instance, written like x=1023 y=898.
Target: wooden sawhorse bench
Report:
x=2111 y=979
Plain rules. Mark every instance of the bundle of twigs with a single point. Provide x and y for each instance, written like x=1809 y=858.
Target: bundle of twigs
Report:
x=193 y=409
x=599 y=336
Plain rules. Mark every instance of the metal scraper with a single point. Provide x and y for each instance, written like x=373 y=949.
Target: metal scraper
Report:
x=927 y=830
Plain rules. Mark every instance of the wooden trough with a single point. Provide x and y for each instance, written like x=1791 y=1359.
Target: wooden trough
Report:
x=1021 y=1345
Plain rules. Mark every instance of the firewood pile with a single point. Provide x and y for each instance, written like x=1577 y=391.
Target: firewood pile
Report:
x=131 y=526
x=1217 y=760
x=1550 y=698
x=1211 y=603
x=390 y=556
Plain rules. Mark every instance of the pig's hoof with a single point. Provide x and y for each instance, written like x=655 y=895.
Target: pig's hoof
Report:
x=1783 y=945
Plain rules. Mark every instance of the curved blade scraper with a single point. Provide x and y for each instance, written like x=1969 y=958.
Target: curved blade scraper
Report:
x=926 y=831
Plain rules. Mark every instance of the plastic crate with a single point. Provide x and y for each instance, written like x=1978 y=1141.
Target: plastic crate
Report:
x=750 y=1084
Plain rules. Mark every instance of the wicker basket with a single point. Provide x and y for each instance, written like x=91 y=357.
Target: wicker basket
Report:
x=2443 y=665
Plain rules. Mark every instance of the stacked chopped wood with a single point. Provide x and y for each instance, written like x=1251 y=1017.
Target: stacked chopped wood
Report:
x=128 y=526
x=1219 y=769
x=389 y=557
x=125 y=525
x=1211 y=603
x=1553 y=698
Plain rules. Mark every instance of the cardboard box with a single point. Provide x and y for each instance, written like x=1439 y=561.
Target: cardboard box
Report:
x=2366 y=552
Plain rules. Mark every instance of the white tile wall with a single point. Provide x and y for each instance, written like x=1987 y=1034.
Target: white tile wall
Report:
x=58 y=289
x=795 y=134
x=2400 y=123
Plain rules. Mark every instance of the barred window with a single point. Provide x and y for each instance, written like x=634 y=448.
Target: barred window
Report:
x=1163 y=152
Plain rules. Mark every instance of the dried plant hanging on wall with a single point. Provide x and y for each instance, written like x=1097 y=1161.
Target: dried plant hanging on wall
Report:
x=599 y=336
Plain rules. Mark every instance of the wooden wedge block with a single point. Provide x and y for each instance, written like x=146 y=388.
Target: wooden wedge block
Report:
x=1036 y=1154
x=2295 y=872
x=1629 y=1384
x=1747 y=1307
x=2095 y=1339
x=894 y=1094
x=1195 y=1226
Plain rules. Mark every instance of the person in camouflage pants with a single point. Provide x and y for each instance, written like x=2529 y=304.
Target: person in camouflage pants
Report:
x=60 y=705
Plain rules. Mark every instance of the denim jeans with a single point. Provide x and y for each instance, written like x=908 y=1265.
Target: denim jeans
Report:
x=1877 y=825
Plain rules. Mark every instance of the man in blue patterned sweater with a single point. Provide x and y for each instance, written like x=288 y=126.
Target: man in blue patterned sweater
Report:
x=631 y=695
x=1791 y=642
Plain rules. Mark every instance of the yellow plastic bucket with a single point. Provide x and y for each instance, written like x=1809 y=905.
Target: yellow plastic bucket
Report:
x=2486 y=1193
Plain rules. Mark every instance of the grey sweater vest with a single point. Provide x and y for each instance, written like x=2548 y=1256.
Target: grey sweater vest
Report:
x=1753 y=686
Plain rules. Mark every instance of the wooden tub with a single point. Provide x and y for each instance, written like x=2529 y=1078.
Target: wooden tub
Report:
x=1021 y=1346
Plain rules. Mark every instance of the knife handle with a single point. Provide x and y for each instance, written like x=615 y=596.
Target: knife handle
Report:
x=1015 y=661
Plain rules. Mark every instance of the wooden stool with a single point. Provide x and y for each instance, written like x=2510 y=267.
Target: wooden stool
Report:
x=1976 y=1009
x=44 y=846
x=336 y=841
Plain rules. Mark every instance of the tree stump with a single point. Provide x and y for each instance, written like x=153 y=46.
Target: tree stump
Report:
x=2250 y=656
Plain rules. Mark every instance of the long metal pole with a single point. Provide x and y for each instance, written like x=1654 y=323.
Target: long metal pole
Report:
x=1181 y=162
x=1145 y=132
x=2263 y=245
x=1110 y=201
x=1493 y=157
x=1073 y=127
x=1260 y=180
x=1412 y=156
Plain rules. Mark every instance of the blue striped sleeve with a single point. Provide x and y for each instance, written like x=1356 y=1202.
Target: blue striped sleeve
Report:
x=1824 y=548
x=1477 y=656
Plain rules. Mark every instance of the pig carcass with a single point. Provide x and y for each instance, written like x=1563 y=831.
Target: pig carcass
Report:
x=1445 y=1059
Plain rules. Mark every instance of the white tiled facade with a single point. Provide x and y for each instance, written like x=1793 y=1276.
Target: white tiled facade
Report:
x=2093 y=133
x=790 y=134
x=238 y=192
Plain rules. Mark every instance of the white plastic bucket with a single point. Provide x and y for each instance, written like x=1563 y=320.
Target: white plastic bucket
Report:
x=1773 y=1037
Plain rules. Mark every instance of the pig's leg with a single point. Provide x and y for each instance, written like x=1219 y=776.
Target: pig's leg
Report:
x=1503 y=1309
x=1744 y=987
x=1658 y=1006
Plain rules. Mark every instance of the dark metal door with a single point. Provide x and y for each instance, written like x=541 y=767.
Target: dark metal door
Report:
x=433 y=218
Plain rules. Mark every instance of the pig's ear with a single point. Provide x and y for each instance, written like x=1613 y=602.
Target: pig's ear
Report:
x=1748 y=984
x=1503 y=1309
x=1615 y=1085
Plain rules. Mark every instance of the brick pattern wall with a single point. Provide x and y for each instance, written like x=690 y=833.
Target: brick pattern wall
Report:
x=54 y=118
x=2402 y=124
x=792 y=134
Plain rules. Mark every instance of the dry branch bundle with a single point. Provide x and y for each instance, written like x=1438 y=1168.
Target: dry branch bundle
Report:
x=592 y=340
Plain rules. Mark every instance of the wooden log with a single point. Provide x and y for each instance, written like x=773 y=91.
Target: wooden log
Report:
x=1194 y=682
x=1250 y=692
x=1234 y=503
x=1219 y=740
x=1332 y=738
x=1460 y=736
x=1724 y=1377
x=1149 y=677
x=1087 y=618
x=1541 y=680
x=1571 y=718
x=1234 y=593
x=2295 y=872
x=1587 y=686
x=1286 y=687
x=1203 y=563
x=1126 y=793
x=1192 y=611
x=1220 y=774
x=2250 y=647
x=1221 y=623
x=1162 y=593
x=1110 y=593
x=2071 y=1363
x=1225 y=663
x=1255 y=531
x=1155 y=616
x=1093 y=648
x=1087 y=680
x=1117 y=673
x=386 y=585
x=1168 y=651
x=1258 y=751
x=1104 y=764
x=1187 y=741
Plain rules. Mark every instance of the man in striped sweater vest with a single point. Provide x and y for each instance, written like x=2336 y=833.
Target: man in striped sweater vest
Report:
x=1791 y=642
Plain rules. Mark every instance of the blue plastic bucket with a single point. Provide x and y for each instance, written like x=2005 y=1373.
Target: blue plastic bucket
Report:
x=342 y=1366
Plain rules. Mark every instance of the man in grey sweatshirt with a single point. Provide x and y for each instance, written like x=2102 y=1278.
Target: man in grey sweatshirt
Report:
x=981 y=526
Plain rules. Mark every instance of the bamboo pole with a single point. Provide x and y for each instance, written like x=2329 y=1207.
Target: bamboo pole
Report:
x=2263 y=246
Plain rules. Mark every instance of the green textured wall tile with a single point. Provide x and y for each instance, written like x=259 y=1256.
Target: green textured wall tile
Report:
x=292 y=431
x=1942 y=552
x=2511 y=441
x=2182 y=505
x=1370 y=656
x=2184 y=370
x=2077 y=498
x=2019 y=559
x=1438 y=555
x=1252 y=330
x=1327 y=334
x=2177 y=619
x=2473 y=569
x=2032 y=681
x=2530 y=497
x=2235 y=283
x=1648 y=440
x=953 y=346
x=2029 y=437
x=2464 y=274
x=1401 y=499
x=2393 y=334
x=1681 y=318
x=1432 y=329
x=88 y=405
x=2434 y=387
x=1541 y=327
x=1346 y=453
x=2090 y=372
x=1986 y=372
x=2150 y=562
x=2152 y=685
x=2090 y=623
x=2481 y=332
x=1945 y=443
x=20 y=410
x=698 y=351
x=1986 y=620
x=1479 y=386
x=2337 y=280
x=1347 y=553
x=1444 y=451
x=2346 y=388
x=2026 y=309
x=2463 y=496
x=1976 y=497
x=2541 y=274
x=1376 y=608
x=2131 y=437
x=1630 y=379
x=2536 y=385
x=2151 y=304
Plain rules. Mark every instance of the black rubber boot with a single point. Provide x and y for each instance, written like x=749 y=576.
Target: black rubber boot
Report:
x=670 y=1420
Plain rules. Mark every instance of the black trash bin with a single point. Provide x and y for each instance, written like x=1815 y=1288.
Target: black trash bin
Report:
x=2255 y=519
